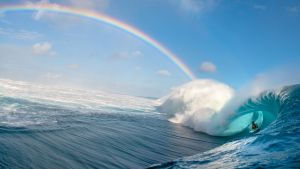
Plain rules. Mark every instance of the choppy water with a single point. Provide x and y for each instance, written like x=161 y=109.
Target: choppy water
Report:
x=42 y=127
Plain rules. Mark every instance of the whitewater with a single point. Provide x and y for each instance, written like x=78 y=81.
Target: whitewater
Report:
x=214 y=108
x=54 y=127
x=201 y=124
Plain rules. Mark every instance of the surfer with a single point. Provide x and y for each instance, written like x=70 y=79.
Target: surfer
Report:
x=254 y=126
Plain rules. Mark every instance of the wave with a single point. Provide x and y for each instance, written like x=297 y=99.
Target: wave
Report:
x=196 y=103
x=46 y=127
x=214 y=108
x=276 y=145
x=24 y=104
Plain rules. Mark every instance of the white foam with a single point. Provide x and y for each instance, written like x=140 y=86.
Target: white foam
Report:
x=195 y=103
x=82 y=101
x=73 y=97
x=209 y=106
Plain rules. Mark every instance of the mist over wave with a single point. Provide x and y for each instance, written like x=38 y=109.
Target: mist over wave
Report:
x=215 y=108
x=276 y=145
x=196 y=103
x=76 y=98
x=18 y=100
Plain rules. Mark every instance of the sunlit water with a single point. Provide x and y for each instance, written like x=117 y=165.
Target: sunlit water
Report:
x=47 y=127
x=42 y=127
x=276 y=145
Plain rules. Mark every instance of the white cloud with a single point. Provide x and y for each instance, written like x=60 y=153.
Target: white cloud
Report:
x=208 y=67
x=196 y=6
x=190 y=5
x=163 y=73
x=67 y=20
x=43 y=48
x=260 y=7
x=97 y=5
x=126 y=55
x=73 y=66
x=39 y=13
x=20 y=34
x=137 y=53
x=53 y=76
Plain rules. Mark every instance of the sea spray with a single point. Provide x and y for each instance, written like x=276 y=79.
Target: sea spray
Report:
x=276 y=145
x=214 y=108
x=196 y=103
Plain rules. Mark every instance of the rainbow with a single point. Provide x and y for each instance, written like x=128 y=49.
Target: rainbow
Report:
x=105 y=19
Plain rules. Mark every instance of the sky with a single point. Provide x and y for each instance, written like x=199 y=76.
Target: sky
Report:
x=229 y=41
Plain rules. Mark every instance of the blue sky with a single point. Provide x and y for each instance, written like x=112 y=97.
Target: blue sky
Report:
x=230 y=41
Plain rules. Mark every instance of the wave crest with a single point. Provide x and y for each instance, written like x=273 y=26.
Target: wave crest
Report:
x=196 y=103
x=276 y=146
x=214 y=108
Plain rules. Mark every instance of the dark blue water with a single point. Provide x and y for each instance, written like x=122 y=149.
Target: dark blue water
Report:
x=35 y=135
x=276 y=145
x=42 y=127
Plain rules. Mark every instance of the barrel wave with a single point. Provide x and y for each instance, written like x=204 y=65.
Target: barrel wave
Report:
x=277 y=113
x=262 y=110
x=216 y=109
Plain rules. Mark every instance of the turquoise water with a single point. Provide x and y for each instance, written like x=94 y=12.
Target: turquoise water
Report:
x=276 y=145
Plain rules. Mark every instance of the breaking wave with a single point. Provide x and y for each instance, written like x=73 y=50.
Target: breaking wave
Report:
x=214 y=108
x=196 y=103
x=277 y=113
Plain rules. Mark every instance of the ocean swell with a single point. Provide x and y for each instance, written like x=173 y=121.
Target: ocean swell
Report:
x=214 y=108
x=275 y=146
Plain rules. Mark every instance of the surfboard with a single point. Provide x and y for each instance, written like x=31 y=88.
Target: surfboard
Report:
x=258 y=119
x=254 y=131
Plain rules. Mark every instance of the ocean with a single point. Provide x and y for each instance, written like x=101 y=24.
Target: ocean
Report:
x=52 y=127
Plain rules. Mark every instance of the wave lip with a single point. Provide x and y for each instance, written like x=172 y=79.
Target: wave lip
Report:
x=196 y=103
x=214 y=108
x=262 y=110
x=276 y=146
